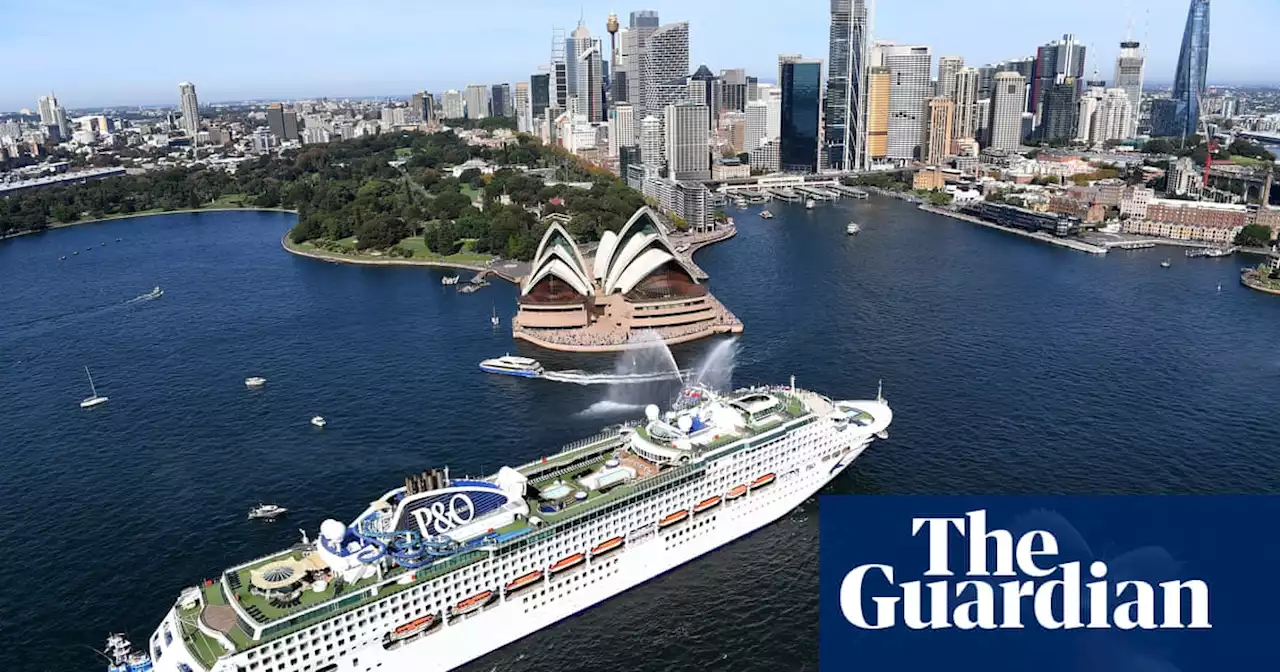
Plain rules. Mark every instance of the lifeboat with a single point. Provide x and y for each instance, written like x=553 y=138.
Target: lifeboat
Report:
x=606 y=546
x=707 y=504
x=763 y=481
x=673 y=518
x=413 y=627
x=566 y=563
x=524 y=581
x=472 y=603
x=736 y=492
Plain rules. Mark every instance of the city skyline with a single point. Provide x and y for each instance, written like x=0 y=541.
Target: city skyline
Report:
x=377 y=58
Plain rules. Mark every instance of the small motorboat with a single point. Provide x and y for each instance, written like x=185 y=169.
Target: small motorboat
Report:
x=765 y=214
x=62 y=258
x=1166 y=264
x=319 y=421
x=809 y=204
x=255 y=381
x=449 y=280
x=267 y=512
x=494 y=320
x=852 y=228
x=155 y=292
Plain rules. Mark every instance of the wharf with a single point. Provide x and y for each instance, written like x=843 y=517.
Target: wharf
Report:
x=1068 y=243
x=786 y=195
x=818 y=194
x=849 y=192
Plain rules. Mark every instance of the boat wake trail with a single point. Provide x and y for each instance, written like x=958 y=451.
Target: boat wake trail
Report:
x=578 y=377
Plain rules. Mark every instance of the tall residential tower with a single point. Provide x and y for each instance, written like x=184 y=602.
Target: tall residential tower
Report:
x=846 y=114
x=1130 y=67
x=189 y=107
x=1180 y=115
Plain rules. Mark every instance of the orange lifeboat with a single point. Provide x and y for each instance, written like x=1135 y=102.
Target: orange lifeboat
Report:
x=524 y=581
x=472 y=603
x=763 y=481
x=606 y=546
x=566 y=563
x=673 y=518
x=412 y=627
x=707 y=504
x=736 y=492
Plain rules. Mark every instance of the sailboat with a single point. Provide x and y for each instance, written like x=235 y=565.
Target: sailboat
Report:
x=95 y=399
x=494 y=320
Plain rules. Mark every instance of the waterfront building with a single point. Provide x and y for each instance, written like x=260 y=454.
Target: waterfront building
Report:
x=189 y=105
x=1202 y=221
x=767 y=157
x=477 y=99
x=452 y=105
x=634 y=281
x=845 y=114
x=523 y=112
x=756 y=132
x=1006 y=111
x=1179 y=116
x=729 y=169
x=1055 y=62
x=965 y=95
x=539 y=94
x=686 y=131
x=941 y=118
x=666 y=60
x=1130 y=69
x=1060 y=111
x=878 y=85
x=1056 y=224
x=948 y=67
x=800 y=81
x=1135 y=201
x=910 y=89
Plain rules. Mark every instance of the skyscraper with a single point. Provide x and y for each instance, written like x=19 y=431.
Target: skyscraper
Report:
x=1055 y=62
x=540 y=94
x=622 y=127
x=734 y=85
x=1006 y=110
x=275 y=120
x=757 y=131
x=477 y=98
x=590 y=87
x=1060 y=112
x=707 y=89
x=1180 y=115
x=941 y=115
x=878 y=80
x=651 y=145
x=500 y=100
x=418 y=103
x=53 y=114
x=1130 y=68
x=451 y=105
x=965 y=95
x=687 y=152
x=290 y=124
x=845 y=119
x=189 y=107
x=523 y=111
x=559 y=71
x=666 y=59
x=631 y=56
x=910 y=89
x=800 y=80
x=948 y=66
x=576 y=45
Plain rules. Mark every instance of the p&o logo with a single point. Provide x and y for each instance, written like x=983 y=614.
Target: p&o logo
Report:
x=440 y=517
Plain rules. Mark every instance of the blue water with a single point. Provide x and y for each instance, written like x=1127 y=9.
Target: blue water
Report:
x=1012 y=366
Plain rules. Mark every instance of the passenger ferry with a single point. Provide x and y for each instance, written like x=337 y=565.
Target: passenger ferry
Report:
x=443 y=570
x=512 y=366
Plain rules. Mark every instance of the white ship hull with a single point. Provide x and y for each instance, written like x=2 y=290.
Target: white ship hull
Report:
x=803 y=462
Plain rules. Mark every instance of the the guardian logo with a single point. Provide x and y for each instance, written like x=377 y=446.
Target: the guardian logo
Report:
x=1010 y=580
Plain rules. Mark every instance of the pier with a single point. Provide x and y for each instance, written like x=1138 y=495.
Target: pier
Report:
x=849 y=192
x=1079 y=246
x=786 y=194
x=818 y=194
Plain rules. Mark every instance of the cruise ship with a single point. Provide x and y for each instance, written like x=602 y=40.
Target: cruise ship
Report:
x=443 y=570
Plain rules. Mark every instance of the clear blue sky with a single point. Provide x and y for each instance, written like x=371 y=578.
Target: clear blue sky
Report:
x=136 y=51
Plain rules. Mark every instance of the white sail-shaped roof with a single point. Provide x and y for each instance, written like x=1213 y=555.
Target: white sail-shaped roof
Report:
x=604 y=252
x=629 y=258
x=559 y=256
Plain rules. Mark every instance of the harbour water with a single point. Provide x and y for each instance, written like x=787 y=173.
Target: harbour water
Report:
x=1012 y=367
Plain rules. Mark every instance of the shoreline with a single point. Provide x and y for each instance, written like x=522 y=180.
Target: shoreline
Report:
x=1044 y=238
x=135 y=215
x=1250 y=280
x=422 y=263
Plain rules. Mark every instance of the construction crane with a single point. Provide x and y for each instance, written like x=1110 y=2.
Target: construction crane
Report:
x=1210 y=142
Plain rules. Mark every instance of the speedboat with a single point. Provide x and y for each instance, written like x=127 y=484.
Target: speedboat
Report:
x=808 y=205
x=512 y=366
x=319 y=421
x=1166 y=264
x=267 y=512
x=853 y=228
x=255 y=381
x=155 y=293
x=765 y=214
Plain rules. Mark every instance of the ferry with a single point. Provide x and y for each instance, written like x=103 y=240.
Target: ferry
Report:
x=443 y=569
x=512 y=366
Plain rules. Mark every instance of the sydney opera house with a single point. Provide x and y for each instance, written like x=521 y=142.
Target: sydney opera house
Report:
x=632 y=281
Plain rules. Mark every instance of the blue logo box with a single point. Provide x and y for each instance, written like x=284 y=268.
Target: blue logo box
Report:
x=1097 y=584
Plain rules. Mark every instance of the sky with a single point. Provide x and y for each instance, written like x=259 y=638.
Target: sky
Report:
x=125 y=52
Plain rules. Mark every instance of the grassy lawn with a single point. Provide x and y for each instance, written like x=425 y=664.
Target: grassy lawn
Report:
x=205 y=648
x=404 y=152
x=1250 y=161
x=470 y=192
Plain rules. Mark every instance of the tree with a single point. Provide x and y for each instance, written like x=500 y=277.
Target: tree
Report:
x=1254 y=235
x=443 y=239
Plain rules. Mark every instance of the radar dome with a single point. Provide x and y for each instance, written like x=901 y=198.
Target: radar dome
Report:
x=333 y=530
x=684 y=423
x=651 y=411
